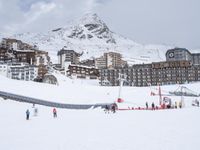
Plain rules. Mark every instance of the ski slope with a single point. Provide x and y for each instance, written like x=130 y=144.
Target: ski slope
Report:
x=93 y=129
x=74 y=91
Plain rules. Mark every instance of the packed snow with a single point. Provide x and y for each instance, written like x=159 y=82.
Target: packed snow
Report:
x=93 y=129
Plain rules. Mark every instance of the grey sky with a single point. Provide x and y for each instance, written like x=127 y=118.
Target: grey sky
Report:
x=172 y=22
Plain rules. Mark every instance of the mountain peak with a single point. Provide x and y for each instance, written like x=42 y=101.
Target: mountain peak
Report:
x=90 y=26
x=91 y=18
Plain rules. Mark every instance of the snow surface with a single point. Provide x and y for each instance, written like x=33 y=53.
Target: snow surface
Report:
x=93 y=129
x=89 y=91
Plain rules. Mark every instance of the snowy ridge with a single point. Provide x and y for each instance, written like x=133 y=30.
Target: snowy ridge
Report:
x=92 y=36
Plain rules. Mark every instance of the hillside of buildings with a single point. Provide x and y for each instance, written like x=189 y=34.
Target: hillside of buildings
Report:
x=93 y=37
x=23 y=61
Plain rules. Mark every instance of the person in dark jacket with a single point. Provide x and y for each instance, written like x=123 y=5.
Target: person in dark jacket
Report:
x=153 y=106
x=147 y=105
x=27 y=114
x=113 y=108
x=107 y=109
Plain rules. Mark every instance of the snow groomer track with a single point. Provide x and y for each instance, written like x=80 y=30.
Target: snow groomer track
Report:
x=25 y=99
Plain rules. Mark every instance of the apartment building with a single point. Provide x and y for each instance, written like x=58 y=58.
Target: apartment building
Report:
x=162 y=73
x=19 y=71
x=180 y=67
x=110 y=60
x=84 y=72
x=178 y=54
x=14 y=44
x=69 y=56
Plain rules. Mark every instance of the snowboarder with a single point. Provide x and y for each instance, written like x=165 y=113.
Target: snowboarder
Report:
x=54 y=112
x=27 y=114
x=153 y=106
x=146 y=105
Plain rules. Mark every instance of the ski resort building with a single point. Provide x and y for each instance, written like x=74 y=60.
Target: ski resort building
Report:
x=19 y=71
x=110 y=60
x=15 y=51
x=180 y=67
x=83 y=72
x=160 y=73
x=69 y=56
x=14 y=44
x=179 y=54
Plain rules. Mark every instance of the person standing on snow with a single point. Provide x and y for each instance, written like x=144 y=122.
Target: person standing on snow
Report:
x=197 y=103
x=176 y=105
x=35 y=111
x=180 y=104
x=27 y=114
x=113 y=108
x=153 y=106
x=107 y=109
x=54 y=112
x=147 y=105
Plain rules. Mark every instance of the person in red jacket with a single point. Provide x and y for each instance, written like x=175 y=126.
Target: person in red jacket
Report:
x=54 y=112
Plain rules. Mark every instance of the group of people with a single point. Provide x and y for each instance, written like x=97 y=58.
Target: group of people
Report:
x=163 y=106
x=111 y=108
x=36 y=112
x=178 y=104
x=153 y=107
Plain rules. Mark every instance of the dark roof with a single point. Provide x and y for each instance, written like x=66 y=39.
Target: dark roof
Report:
x=64 y=51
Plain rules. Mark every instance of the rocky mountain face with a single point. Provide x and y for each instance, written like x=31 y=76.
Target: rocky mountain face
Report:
x=93 y=37
x=91 y=26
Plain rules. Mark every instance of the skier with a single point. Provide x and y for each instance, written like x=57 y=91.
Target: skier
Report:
x=113 y=108
x=197 y=103
x=107 y=109
x=176 y=105
x=35 y=111
x=146 y=105
x=54 y=112
x=27 y=114
x=153 y=106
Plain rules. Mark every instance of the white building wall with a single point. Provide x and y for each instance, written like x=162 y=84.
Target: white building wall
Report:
x=15 y=46
x=20 y=71
x=4 y=70
x=63 y=60
x=109 y=61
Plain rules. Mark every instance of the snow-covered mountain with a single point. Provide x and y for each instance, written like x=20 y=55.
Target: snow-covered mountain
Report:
x=93 y=37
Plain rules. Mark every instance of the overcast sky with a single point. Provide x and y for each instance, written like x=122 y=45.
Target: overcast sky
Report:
x=171 y=22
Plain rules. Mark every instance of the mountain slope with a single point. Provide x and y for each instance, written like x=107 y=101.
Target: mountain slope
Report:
x=93 y=37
